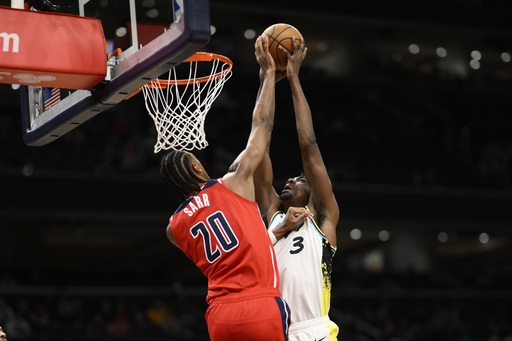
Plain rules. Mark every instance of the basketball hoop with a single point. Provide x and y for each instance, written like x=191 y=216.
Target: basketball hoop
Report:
x=179 y=104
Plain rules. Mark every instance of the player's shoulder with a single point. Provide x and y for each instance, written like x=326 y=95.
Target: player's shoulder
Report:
x=276 y=216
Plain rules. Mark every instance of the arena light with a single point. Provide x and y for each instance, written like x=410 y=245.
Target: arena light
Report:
x=476 y=55
x=483 y=238
x=121 y=31
x=414 y=48
x=441 y=52
x=384 y=235
x=152 y=13
x=249 y=34
x=356 y=234
x=442 y=237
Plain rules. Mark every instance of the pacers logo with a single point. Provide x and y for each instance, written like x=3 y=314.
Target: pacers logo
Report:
x=11 y=42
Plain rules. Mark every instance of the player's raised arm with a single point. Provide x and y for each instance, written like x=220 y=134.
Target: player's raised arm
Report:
x=266 y=196
x=321 y=201
x=240 y=175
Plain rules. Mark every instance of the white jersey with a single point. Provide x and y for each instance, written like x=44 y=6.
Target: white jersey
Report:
x=304 y=257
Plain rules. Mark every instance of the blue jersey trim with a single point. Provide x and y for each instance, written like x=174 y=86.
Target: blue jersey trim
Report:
x=299 y=226
x=209 y=184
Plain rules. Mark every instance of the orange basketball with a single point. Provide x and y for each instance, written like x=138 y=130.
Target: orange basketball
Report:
x=281 y=35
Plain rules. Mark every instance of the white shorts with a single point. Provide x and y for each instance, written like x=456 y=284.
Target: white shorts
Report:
x=320 y=329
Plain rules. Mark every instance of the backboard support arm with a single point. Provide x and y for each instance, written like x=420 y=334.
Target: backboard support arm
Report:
x=178 y=43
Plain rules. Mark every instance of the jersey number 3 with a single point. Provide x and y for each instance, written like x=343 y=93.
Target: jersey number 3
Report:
x=218 y=226
x=299 y=244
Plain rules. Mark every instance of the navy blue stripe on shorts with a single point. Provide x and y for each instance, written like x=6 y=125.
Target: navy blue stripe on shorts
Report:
x=285 y=315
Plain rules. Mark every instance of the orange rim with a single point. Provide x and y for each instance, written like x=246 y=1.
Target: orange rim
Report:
x=197 y=57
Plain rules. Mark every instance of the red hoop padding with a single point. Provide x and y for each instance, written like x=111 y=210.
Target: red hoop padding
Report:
x=53 y=50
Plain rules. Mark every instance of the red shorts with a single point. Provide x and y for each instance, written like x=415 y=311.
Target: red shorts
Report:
x=248 y=318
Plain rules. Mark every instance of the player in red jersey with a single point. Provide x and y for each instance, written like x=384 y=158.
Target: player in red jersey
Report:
x=219 y=227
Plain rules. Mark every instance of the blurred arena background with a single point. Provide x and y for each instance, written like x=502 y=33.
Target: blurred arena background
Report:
x=411 y=105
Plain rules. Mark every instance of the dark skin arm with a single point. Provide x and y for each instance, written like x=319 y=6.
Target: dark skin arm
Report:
x=266 y=196
x=321 y=201
x=240 y=176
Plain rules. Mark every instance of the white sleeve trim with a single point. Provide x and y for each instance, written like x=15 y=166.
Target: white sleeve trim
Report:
x=272 y=237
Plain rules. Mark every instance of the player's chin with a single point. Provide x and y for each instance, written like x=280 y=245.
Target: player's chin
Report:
x=285 y=195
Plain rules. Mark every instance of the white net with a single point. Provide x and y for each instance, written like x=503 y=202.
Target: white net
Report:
x=179 y=106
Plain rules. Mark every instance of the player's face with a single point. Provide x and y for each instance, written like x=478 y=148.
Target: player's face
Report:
x=297 y=189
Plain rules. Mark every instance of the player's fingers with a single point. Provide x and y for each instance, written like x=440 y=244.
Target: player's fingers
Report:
x=285 y=51
x=301 y=213
x=259 y=44
x=297 y=210
x=296 y=47
x=302 y=217
x=264 y=43
x=302 y=44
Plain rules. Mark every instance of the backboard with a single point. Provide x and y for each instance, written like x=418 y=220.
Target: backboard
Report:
x=153 y=35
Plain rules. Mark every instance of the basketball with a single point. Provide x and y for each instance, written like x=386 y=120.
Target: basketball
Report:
x=281 y=35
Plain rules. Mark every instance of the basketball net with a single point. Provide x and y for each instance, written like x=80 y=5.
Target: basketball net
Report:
x=179 y=104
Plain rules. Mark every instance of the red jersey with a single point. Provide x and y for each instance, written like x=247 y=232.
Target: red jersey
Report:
x=224 y=235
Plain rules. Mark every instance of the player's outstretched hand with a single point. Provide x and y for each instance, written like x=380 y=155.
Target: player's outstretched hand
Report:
x=294 y=61
x=263 y=56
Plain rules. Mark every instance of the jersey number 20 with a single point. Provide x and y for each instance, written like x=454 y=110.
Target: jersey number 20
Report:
x=218 y=226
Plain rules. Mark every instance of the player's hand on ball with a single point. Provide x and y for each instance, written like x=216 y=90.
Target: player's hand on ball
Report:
x=263 y=57
x=294 y=60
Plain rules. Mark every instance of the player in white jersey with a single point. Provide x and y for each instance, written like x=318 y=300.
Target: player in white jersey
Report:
x=304 y=255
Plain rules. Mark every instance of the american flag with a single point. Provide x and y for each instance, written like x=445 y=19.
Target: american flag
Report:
x=51 y=97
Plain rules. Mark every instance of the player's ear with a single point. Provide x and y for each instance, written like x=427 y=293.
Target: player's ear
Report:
x=199 y=170
x=196 y=166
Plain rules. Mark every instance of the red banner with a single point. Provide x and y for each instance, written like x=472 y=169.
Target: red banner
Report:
x=51 y=49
